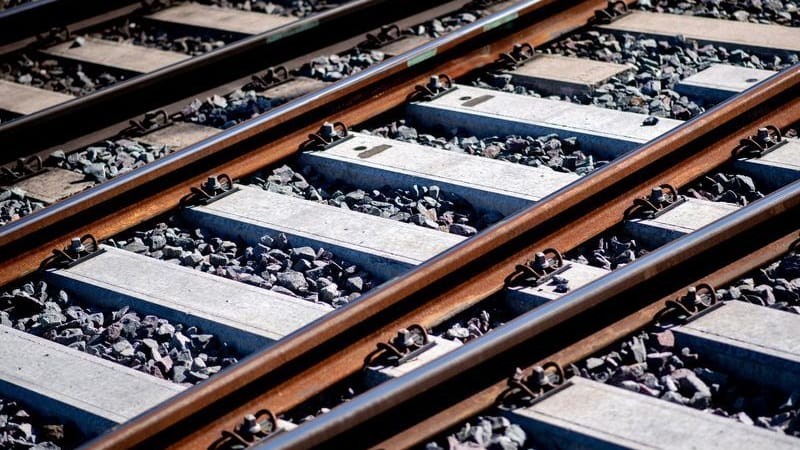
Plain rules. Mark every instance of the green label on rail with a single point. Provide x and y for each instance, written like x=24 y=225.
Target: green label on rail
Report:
x=418 y=59
x=500 y=21
x=294 y=30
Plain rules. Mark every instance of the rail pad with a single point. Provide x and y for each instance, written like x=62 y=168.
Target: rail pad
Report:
x=556 y=74
x=684 y=218
x=296 y=87
x=523 y=299
x=53 y=185
x=24 y=99
x=379 y=374
x=775 y=169
x=179 y=135
x=133 y=58
x=721 y=81
x=225 y=19
x=403 y=45
x=757 y=36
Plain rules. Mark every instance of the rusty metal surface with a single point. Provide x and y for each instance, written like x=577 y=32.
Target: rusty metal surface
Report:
x=528 y=338
x=88 y=113
x=171 y=418
x=459 y=412
x=500 y=251
x=434 y=290
x=267 y=143
x=244 y=387
x=294 y=63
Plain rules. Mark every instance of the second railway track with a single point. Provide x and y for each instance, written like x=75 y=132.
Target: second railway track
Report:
x=441 y=245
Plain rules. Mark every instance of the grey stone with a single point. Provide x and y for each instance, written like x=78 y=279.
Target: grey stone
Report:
x=123 y=348
x=463 y=230
x=294 y=281
x=328 y=293
x=218 y=260
x=306 y=253
x=170 y=252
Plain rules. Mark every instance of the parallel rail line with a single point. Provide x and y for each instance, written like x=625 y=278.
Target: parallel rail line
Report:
x=421 y=405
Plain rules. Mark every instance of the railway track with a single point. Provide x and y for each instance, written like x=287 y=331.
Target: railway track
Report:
x=268 y=227
x=188 y=119
x=106 y=57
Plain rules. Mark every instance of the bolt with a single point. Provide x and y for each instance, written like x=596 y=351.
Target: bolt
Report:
x=657 y=196
x=518 y=50
x=252 y=424
x=541 y=376
x=327 y=130
x=76 y=246
x=435 y=84
x=540 y=261
x=212 y=184
x=691 y=294
x=763 y=135
x=406 y=339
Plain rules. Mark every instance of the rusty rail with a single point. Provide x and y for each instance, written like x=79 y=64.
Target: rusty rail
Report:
x=277 y=378
x=454 y=387
x=470 y=379
x=84 y=115
x=113 y=207
x=280 y=378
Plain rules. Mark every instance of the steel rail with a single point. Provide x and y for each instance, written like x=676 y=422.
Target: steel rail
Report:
x=464 y=275
x=470 y=272
x=295 y=62
x=359 y=422
x=473 y=271
x=191 y=415
x=27 y=134
x=717 y=272
x=124 y=201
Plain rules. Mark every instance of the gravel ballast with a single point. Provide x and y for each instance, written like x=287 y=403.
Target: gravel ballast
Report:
x=21 y=427
x=776 y=286
x=756 y=11
x=558 y=153
x=15 y=204
x=614 y=248
x=650 y=364
x=226 y=111
x=337 y=66
x=152 y=35
x=425 y=206
x=172 y=351
x=659 y=66
x=484 y=432
x=108 y=159
x=296 y=8
x=313 y=274
x=55 y=75
x=99 y=162
x=5 y=4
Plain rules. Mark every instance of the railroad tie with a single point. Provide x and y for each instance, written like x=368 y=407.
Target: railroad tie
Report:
x=487 y=184
x=485 y=112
